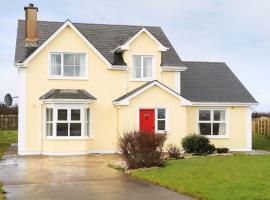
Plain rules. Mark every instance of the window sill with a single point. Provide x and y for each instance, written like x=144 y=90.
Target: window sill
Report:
x=141 y=80
x=68 y=78
x=217 y=136
x=67 y=138
x=161 y=132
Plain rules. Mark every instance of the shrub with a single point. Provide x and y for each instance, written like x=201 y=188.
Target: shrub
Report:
x=142 y=149
x=197 y=144
x=222 y=150
x=173 y=151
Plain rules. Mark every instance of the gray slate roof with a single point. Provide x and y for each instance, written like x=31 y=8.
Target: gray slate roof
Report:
x=68 y=94
x=105 y=39
x=212 y=82
x=208 y=82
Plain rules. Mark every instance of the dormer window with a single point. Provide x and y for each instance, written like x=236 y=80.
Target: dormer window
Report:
x=67 y=65
x=142 y=67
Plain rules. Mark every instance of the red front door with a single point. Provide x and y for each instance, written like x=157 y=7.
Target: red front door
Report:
x=147 y=120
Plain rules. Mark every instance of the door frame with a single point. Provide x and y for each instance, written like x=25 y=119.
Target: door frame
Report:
x=155 y=109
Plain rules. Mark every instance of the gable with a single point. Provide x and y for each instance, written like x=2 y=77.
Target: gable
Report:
x=143 y=33
x=143 y=43
x=68 y=30
x=125 y=99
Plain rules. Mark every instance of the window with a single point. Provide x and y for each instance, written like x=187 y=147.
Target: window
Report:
x=142 y=67
x=161 y=119
x=49 y=121
x=69 y=122
x=68 y=65
x=212 y=122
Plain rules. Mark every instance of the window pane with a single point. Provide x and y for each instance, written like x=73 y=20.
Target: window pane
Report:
x=49 y=114
x=56 y=64
x=78 y=71
x=87 y=114
x=82 y=65
x=136 y=67
x=205 y=128
x=69 y=71
x=77 y=59
x=87 y=129
x=49 y=129
x=219 y=115
x=75 y=114
x=161 y=125
x=219 y=129
x=161 y=113
x=75 y=129
x=62 y=129
x=87 y=118
x=69 y=59
x=147 y=67
x=204 y=115
x=62 y=114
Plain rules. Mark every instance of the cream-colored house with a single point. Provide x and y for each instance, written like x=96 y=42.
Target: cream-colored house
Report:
x=83 y=85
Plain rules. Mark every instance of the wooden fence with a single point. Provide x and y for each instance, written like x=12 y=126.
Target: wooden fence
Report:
x=8 y=122
x=261 y=125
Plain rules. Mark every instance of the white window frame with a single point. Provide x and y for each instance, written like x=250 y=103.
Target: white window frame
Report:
x=50 y=76
x=211 y=121
x=82 y=121
x=156 y=119
x=142 y=78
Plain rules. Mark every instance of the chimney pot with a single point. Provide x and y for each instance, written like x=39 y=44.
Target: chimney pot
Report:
x=31 y=38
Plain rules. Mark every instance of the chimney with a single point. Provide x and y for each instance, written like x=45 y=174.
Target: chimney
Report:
x=31 y=37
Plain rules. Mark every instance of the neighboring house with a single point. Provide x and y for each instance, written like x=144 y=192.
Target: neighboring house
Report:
x=82 y=85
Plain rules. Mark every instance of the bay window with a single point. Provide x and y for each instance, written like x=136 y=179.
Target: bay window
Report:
x=67 y=121
x=212 y=122
x=68 y=65
x=142 y=67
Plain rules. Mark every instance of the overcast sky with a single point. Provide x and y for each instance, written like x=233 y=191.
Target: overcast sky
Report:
x=233 y=31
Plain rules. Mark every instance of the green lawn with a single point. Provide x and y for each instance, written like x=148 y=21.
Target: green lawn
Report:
x=261 y=142
x=215 y=178
x=6 y=138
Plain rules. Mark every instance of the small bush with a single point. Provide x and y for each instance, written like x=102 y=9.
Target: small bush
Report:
x=197 y=144
x=173 y=151
x=222 y=150
x=142 y=149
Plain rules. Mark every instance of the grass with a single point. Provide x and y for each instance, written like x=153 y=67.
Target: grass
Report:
x=217 y=178
x=261 y=142
x=214 y=178
x=6 y=138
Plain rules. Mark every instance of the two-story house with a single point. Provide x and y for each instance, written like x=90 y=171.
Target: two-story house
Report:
x=83 y=85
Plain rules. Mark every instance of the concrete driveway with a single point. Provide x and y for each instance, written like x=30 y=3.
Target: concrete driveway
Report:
x=76 y=177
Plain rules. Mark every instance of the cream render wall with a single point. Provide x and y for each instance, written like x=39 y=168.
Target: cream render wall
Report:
x=108 y=121
x=106 y=85
x=144 y=45
x=237 y=123
x=155 y=97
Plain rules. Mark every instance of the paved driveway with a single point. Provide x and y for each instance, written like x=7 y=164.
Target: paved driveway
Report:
x=76 y=177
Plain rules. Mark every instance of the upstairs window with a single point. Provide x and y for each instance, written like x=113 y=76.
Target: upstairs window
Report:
x=70 y=65
x=142 y=67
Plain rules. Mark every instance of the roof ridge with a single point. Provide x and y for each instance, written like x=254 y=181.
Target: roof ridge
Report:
x=132 y=25
x=219 y=62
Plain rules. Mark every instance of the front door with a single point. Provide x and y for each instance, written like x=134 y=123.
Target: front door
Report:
x=147 y=120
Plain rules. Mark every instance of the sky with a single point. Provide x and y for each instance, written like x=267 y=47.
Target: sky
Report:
x=233 y=31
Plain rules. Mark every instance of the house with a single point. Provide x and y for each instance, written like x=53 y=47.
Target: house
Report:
x=83 y=85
